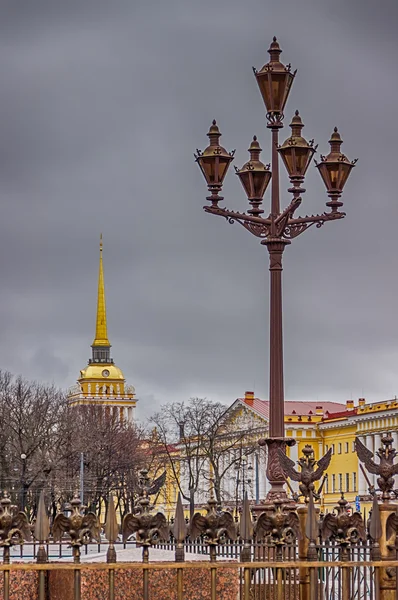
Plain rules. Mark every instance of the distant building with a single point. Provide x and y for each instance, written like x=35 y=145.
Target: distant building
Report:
x=302 y=421
x=102 y=383
x=326 y=425
x=323 y=425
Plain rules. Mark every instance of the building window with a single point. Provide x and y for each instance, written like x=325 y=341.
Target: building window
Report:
x=332 y=448
x=354 y=482
x=327 y=485
x=347 y=447
x=347 y=482
x=353 y=446
x=340 y=482
x=333 y=483
x=326 y=447
x=339 y=448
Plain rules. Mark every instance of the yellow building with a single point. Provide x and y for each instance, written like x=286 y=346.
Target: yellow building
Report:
x=102 y=383
x=333 y=425
x=368 y=421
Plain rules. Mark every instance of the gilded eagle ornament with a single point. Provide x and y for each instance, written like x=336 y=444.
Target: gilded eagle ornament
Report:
x=308 y=474
x=281 y=525
x=148 y=528
x=81 y=528
x=216 y=527
x=342 y=526
x=386 y=469
x=14 y=525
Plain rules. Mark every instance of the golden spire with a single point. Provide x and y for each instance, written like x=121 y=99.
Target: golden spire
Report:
x=101 y=333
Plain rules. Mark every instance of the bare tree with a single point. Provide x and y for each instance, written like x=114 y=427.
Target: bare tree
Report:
x=111 y=452
x=176 y=427
x=201 y=443
x=42 y=439
x=31 y=440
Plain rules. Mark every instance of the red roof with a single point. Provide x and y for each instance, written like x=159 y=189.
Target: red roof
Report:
x=294 y=407
x=341 y=414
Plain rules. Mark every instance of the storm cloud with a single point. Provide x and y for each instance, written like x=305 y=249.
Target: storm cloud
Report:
x=101 y=107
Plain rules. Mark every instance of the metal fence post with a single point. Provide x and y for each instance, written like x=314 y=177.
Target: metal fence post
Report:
x=42 y=533
x=111 y=534
x=180 y=532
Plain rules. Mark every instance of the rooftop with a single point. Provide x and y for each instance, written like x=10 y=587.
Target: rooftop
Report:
x=294 y=408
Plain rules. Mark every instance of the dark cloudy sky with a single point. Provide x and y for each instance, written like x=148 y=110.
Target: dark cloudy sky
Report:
x=101 y=107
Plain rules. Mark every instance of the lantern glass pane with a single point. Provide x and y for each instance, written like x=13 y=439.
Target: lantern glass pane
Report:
x=209 y=167
x=223 y=164
x=245 y=181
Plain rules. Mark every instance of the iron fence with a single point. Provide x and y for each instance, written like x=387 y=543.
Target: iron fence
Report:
x=335 y=580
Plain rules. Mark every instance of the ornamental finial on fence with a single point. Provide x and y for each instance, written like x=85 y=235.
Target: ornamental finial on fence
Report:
x=14 y=527
x=280 y=525
x=42 y=529
x=246 y=530
x=343 y=527
x=216 y=527
x=375 y=529
x=81 y=528
x=111 y=530
x=311 y=529
x=148 y=528
x=180 y=530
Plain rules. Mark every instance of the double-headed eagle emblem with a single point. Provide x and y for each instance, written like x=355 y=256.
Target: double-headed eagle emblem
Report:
x=216 y=527
x=81 y=528
x=308 y=474
x=14 y=525
x=148 y=528
x=386 y=469
x=281 y=525
x=342 y=526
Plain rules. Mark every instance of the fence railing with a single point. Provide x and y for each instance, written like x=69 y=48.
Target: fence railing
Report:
x=334 y=580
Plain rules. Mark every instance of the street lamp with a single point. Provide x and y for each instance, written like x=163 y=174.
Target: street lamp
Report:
x=280 y=226
x=23 y=481
x=243 y=479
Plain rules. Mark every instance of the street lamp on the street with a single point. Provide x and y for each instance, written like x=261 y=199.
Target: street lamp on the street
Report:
x=281 y=226
x=23 y=481
x=243 y=481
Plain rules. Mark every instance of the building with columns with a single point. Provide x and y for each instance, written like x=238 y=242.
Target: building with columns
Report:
x=325 y=425
x=102 y=383
x=369 y=422
x=302 y=423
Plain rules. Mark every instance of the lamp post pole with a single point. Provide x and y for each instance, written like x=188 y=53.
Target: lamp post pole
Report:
x=280 y=227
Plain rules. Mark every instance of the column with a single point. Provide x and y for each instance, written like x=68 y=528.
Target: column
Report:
x=377 y=446
x=321 y=451
x=362 y=485
x=395 y=445
x=262 y=476
x=293 y=451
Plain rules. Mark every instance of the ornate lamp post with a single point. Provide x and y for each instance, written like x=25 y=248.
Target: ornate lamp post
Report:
x=280 y=226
